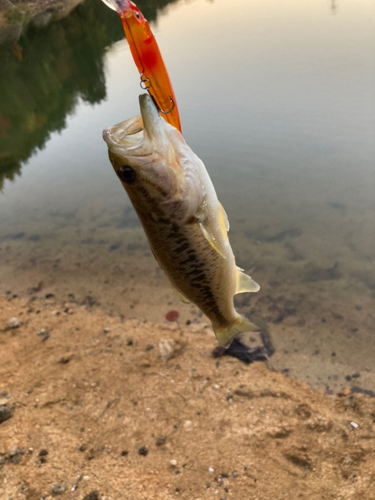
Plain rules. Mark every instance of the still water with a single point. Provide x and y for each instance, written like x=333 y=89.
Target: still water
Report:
x=278 y=100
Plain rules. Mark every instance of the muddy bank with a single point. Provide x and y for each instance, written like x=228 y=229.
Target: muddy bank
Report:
x=94 y=408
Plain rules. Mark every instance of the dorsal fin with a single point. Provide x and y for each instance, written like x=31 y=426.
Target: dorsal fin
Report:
x=245 y=283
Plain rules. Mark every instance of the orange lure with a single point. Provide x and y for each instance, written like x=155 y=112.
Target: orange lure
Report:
x=147 y=57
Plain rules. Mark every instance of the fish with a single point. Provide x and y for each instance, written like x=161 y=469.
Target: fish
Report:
x=185 y=224
x=148 y=59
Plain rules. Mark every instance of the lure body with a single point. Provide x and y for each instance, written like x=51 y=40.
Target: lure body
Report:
x=148 y=59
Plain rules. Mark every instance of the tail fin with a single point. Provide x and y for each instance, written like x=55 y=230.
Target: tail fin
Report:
x=240 y=325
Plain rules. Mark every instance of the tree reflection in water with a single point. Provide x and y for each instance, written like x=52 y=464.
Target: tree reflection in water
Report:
x=47 y=71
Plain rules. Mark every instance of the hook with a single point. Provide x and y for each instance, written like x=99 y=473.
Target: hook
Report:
x=170 y=110
x=146 y=85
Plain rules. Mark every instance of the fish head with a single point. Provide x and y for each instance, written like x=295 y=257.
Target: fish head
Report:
x=146 y=153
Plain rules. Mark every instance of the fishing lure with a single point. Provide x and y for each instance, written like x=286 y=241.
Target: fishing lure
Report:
x=147 y=57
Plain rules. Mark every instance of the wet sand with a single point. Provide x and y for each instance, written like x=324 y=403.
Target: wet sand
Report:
x=318 y=307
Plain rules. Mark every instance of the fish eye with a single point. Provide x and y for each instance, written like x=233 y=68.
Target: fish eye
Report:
x=126 y=174
x=136 y=14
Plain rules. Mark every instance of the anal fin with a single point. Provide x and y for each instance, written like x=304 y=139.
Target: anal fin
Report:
x=245 y=283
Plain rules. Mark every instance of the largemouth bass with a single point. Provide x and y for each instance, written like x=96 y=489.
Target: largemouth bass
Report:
x=184 y=222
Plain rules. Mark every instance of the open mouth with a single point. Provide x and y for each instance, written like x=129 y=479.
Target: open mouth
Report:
x=127 y=135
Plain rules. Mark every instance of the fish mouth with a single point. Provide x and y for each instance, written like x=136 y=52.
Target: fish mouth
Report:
x=135 y=136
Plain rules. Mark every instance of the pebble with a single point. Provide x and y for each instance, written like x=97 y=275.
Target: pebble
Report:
x=44 y=334
x=234 y=474
x=15 y=455
x=5 y=413
x=211 y=469
x=58 y=489
x=173 y=463
x=106 y=330
x=94 y=495
x=168 y=348
x=14 y=323
x=143 y=450
x=353 y=424
x=188 y=425
x=161 y=440
x=124 y=453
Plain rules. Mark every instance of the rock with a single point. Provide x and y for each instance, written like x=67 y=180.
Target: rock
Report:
x=143 y=451
x=94 y=495
x=173 y=463
x=58 y=489
x=319 y=424
x=168 y=348
x=5 y=414
x=188 y=425
x=15 y=455
x=161 y=440
x=14 y=323
x=44 y=334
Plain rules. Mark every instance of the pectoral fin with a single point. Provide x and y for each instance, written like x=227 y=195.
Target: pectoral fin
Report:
x=245 y=283
x=210 y=238
x=181 y=296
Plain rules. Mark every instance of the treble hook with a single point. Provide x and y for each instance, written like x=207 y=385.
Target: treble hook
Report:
x=170 y=110
x=145 y=84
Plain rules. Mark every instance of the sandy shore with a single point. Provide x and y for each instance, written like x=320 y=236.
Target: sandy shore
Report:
x=94 y=405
